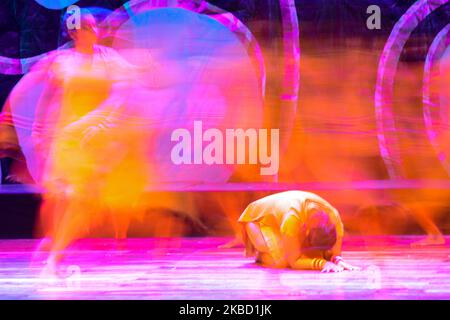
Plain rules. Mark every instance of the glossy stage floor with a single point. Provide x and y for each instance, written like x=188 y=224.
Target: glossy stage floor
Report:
x=194 y=268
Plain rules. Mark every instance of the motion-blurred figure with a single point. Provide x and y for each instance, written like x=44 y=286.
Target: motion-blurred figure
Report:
x=423 y=212
x=87 y=162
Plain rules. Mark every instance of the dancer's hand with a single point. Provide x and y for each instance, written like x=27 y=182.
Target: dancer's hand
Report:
x=347 y=266
x=331 y=267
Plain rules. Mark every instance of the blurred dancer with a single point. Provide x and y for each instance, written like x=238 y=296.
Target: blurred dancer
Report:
x=82 y=145
x=422 y=211
x=294 y=229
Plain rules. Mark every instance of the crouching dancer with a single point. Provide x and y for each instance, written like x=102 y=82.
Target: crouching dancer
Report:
x=294 y=229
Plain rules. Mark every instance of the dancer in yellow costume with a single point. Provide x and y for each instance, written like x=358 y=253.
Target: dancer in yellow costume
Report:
x=92 y=158
x=294 y=229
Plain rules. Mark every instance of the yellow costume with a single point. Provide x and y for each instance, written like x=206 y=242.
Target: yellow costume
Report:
x=280 y=220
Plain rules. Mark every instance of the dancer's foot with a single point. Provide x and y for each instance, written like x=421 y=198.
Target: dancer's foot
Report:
x=431 y=240
x=52 y=264
x=120 y=235
x=40 y=253
x=45 y=244
x=235 y=243
x=49 y=273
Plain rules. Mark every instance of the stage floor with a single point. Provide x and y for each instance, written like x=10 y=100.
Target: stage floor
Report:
x=194 y=268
